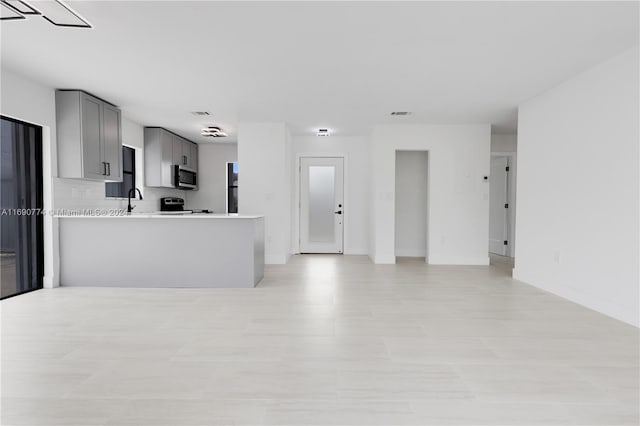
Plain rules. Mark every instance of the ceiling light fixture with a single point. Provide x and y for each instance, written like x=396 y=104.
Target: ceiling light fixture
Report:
x=8 y=13
x=20 y=7
x=322 y=132
x=213 y=132
x=54 y=11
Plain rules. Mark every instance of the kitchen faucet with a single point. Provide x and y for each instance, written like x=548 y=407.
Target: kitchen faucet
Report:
x=130 y=207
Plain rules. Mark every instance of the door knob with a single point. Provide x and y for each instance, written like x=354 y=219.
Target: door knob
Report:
x=338 y=212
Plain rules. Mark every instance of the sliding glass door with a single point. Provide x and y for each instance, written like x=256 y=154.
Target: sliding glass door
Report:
x=21 y=235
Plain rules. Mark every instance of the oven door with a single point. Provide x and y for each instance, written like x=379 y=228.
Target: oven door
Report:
x=185 y=178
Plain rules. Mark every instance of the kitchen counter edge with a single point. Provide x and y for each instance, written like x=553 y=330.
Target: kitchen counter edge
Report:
x=160 y=216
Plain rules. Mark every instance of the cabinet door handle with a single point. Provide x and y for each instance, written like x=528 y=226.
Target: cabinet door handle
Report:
x=108 y=169
x=184 y=160
x=104 y=168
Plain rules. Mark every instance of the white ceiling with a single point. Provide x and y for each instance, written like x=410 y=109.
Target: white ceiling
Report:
x=341 y=65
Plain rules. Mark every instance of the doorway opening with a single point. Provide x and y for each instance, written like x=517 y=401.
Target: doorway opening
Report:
x=411 y=206
x=502 y=210
x=322 y=206
x=232 y=187
x=21 y=203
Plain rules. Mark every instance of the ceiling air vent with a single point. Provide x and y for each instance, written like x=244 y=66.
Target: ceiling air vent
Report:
x=401 y=113
x=200 y=113
x=213 y=132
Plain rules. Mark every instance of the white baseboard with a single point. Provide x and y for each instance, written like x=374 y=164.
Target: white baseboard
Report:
x=356 y=251
x=614 y=310
x=276 y=259
x=410 y=252
x=448 y=260
x=49 y=282
x=384 y=260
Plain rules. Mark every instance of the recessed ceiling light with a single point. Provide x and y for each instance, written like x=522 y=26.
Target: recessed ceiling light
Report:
x=322 y=132
x=213 y=132
x=401 y=113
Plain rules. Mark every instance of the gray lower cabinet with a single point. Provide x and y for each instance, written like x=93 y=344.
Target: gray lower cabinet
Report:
x=162 y=151
x=89 y=137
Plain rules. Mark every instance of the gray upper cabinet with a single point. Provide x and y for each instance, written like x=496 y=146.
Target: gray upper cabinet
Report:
x=89 y=137
x=193 y=158
x=90 y=145
x=178 y=155
x=158 y=157
x=162 y=151
x=111 y=135
x=185 y=153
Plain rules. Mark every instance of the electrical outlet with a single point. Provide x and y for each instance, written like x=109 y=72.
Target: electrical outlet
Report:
x=557 y=258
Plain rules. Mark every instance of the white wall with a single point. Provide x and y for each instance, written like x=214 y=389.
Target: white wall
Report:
x=288 y=190
x=212 y=177
x=504 y=143
x=264 y=177
x=355 y=150
x=578 y=183
x=372 y=204
x=411 y=203
x=458 y=218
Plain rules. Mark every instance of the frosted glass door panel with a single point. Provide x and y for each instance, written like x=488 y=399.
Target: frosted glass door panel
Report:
x=321 y=203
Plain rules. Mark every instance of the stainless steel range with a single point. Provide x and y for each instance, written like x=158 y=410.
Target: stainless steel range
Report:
x=173 y=205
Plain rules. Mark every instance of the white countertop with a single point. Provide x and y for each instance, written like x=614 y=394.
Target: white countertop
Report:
x=156 y=215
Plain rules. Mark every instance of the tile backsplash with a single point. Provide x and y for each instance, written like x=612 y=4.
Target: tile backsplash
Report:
x=73 y=194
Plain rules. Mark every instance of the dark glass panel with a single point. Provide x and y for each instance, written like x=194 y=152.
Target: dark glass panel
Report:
x=121 y=189
x=21 y=224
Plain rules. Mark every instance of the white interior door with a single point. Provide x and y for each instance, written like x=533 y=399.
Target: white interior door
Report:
x=498 y=206
x=321 y=204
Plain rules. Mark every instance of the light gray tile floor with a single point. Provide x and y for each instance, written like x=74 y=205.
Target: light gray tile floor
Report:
x=324 y=340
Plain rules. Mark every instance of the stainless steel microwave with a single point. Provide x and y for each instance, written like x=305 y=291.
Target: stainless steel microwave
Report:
x=184 y=178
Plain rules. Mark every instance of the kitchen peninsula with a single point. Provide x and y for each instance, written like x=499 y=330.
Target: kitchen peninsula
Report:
x=157 y=250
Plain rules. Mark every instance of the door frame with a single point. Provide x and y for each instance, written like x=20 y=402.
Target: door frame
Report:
x=51 y=278
x=41 y=225
x=428 y=153
x=296 y=210
x=511 y=194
